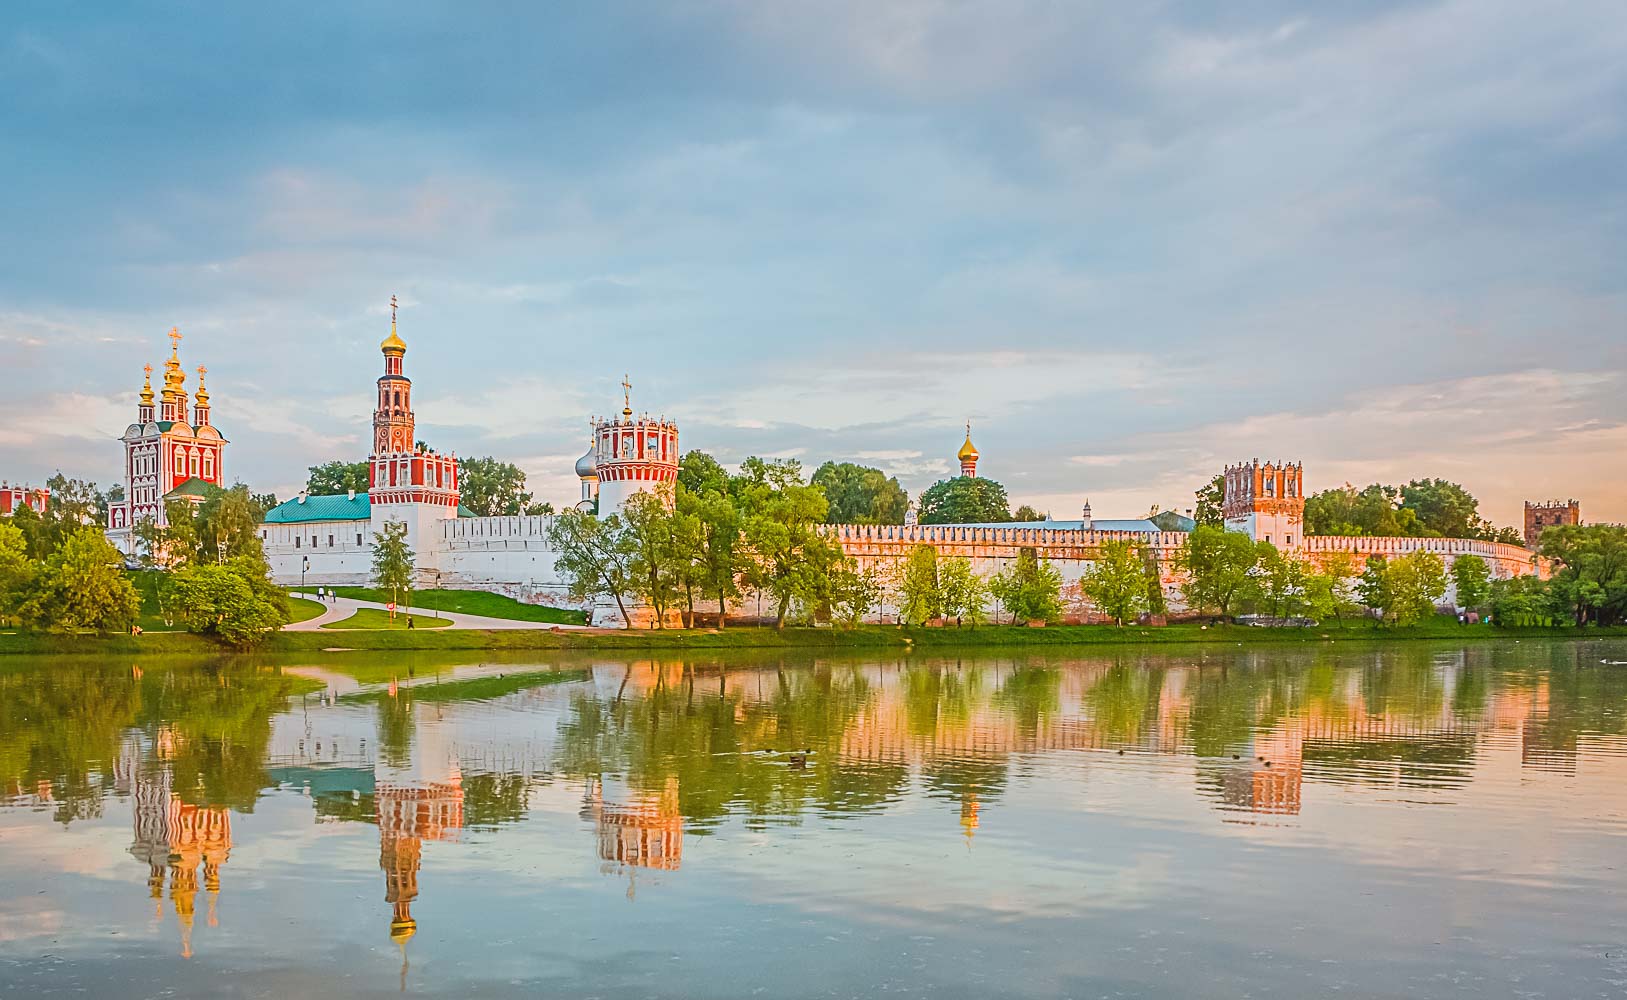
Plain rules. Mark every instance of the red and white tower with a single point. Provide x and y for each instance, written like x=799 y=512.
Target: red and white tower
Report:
x=632 y=455
x=168 y=453
x=1266 y=501
x=967 y=456
x=405 y=482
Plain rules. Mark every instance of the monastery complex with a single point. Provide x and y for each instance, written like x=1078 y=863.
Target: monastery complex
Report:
x=328 y=540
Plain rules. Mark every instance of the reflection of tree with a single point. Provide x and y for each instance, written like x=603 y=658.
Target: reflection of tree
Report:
x=1031 y=695
x=491 y=799
x=61 y=724
x=395 y=729
x=728 y=752
x=1124 y=701
x=1404 y=682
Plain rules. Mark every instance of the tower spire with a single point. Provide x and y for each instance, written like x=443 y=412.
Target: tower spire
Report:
x=147 y=385
x=627 y=396
x=393 y=345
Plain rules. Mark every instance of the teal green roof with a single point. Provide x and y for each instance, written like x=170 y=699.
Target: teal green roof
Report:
x=194 y=487
x=466 y=512
x=335 y=508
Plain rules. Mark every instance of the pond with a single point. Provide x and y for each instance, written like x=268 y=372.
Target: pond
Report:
x=1406 y=820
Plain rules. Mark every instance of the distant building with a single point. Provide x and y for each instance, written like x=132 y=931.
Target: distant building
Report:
x=15 y=498
x=1547 y=514
x=1266 y=501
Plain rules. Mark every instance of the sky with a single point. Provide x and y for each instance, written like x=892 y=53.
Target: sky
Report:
x=1131 y=243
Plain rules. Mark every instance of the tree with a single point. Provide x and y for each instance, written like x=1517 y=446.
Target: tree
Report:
x=918 y=599
x=1444 y=509
x=1415 y=582
x=1521 y=601
x=1217 y=564
x=1116 y=581
x=964 y=500
x=594 y=556
x=1030 y=589
x=490 y=488
x=780 y=515
x=1591 y=578
x=234 y=602
x=1471 y=578
x=1210 y=500
x=1027 y=513
x=961 y=592
x=333 y=478
x=393 y=568
x=855 y=594
x=74 y=504
x=658 y=560
x=16 y=570
x=1373 y=588
x=1373 y=511
x=1328 y=590
x=1284 y=581
x=228 y=525
x=82 y=586
x=858 y=494
x=703 y=494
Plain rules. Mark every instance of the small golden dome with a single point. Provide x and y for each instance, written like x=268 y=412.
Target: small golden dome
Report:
x=393 y=344
x=147 y=387
x=967 y=451
x=202 y=395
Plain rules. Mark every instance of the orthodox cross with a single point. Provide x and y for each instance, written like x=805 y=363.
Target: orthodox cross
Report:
x=174 y=339
x=392 y=310
x=202 y=371
x=627 y=394
x=149 y=370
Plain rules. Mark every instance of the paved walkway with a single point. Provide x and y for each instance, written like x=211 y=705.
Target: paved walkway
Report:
x=340 y=609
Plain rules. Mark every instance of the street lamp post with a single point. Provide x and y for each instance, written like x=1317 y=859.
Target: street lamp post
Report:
x=304 y=564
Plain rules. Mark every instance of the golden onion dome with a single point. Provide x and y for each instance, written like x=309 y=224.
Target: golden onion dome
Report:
x=967 y=451
x=401 y=930
x=393 y=344
x=202 y=395
x=147 y=388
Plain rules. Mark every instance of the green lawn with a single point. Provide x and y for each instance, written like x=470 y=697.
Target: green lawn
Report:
x=301 y=610
x=373 y=618
x=468 y=602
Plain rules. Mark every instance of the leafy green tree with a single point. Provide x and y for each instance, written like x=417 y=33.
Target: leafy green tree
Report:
x=1027 y=513
x=1444 y=509
x=1415 y=581
x=1218 y=565
x=81 y=586
x=1328 y=590
x=393 y=566
x=262 y=502
x=858 y=494
x=228 y=525
x=1211 y=498
x=918 y=597
x=1030 y=589
x=659 y=559
x=964 y=500
x=1156 y=604
x=333 y=478
x=234 y=602
x=1373 y=587
x=855 y=593
x=74 y=504
x=1284 y=581
x=595 y=557
x=1116 y=582
x=713 y=522
x=961 y=592
x=1471 y=578
x=28 y=521
x=1522 y=601
x=1373 y=511
x=16 y=570
x=781 y=512
x=1591 y=575
x=490 y=488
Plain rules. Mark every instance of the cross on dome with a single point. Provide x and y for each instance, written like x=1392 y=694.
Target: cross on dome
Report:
x=627 y=395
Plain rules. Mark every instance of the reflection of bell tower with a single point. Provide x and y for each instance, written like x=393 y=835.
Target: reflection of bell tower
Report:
x=174 y=836
x=648 y=835
x=408 y=815
x=400 y=858
x=968 y=816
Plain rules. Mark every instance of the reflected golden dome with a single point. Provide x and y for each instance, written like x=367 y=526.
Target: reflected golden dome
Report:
x=401 y=930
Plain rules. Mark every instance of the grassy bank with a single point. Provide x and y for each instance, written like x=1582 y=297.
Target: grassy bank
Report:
x=868 y=637
x=467 y=602
x=373 y=618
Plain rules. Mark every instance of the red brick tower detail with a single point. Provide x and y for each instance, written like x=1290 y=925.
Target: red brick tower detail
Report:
x=398 y=470
x=1546 y=515
x=1267 y=501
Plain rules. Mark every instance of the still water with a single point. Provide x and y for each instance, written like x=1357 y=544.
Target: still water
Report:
x=1404 y=821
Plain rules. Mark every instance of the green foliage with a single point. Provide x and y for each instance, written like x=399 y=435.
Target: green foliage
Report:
x=1283 y=582
x=1404 y=590
x=376 y=619
x=858 y=494
x=1521 y=602
x=81 y=586
x=470 y=602
x=964 y=500
x=490 y=488
x=918 y=599
x=16 y=571
x=713 y=525
x=854 y=594
x=1210 y=500
x=1471 y=578
x=74 y=504
x=789 y=558
x=235 y=602
x=962 y=594
x=393 y=568
x=1218 y=565
x=1027 y=513
x=1428 y=508
x=226 y=526
x=660 y=550
x=595 y=557
x=333 y=478
x=1591 y=576
x=1329 y=590
x=1116 y=582
x=1030 y=589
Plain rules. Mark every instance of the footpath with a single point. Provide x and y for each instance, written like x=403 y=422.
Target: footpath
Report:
x=339 y=609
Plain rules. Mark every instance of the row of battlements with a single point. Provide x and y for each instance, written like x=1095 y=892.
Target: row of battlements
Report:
x=926 y=534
